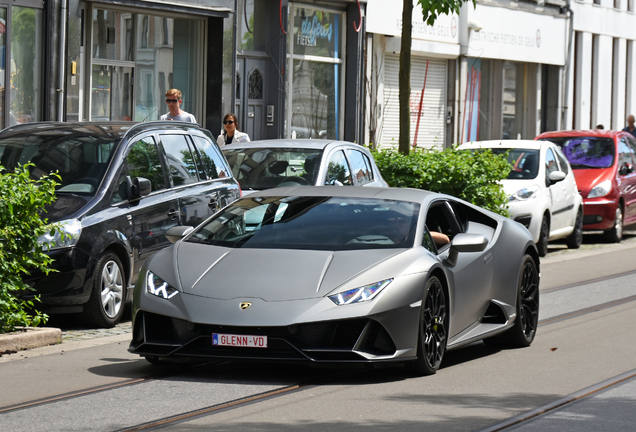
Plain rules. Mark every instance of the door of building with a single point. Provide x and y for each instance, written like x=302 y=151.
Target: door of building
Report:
x=250 y=96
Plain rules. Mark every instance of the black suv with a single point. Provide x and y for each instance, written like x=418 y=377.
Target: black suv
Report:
x=123 y=185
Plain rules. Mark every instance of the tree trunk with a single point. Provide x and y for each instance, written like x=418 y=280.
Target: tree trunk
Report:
x=405 y=78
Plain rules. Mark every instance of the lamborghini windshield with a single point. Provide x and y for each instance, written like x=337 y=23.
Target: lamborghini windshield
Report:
x=318 y=223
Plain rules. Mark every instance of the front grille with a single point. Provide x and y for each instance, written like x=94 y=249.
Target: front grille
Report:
x=323 y=341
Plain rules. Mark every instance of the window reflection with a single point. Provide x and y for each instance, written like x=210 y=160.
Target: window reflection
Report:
x=26 y=53
x=314 y=96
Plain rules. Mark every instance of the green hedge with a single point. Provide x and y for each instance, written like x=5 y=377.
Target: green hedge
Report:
x=21 y=202
x=471 y=176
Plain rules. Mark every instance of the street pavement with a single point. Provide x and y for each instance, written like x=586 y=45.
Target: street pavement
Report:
x=603 y=409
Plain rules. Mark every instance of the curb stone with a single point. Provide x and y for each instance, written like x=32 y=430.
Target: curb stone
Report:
x=28 y=338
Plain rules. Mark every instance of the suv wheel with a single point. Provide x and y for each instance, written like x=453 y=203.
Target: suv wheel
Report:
x=105 y=307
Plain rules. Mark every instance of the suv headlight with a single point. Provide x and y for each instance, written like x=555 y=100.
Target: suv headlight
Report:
x=525 y=194
x=601 y=189
x=157 y=286
x=361 y=294
x=68 y=236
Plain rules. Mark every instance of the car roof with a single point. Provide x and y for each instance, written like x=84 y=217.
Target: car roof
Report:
x=526 y=144
x=108 y=129
x=599 y=133
x=287 y=143
x=400 y=194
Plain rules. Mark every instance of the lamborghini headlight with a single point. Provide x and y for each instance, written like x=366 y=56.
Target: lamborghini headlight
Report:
x=601 y=189
x=67 y=236
x=157 y=286
x=525 y=194
x=361 y=294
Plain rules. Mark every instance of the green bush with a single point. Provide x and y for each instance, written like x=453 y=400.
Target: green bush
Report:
x=22 y=201
x=471 y=176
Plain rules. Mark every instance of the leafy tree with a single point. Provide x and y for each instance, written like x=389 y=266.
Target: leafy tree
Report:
x=21 y=202
x=431 y=9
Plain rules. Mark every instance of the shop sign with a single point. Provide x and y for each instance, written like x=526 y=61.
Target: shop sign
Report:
x=506 y=34
x=386 y=18
x=316 y=32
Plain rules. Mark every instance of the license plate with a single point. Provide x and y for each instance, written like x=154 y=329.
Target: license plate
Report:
x=220 y=339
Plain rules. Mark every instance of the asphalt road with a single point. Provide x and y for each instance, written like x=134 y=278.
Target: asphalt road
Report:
x=585 y=341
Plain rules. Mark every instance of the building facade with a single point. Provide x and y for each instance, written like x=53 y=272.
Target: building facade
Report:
x=284 y=68
x=326 y=69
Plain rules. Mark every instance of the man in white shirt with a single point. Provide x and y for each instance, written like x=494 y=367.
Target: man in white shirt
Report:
x=173 y=100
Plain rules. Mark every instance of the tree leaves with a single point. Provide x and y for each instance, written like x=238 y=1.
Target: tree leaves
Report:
x=471 y=176
x=22 y=203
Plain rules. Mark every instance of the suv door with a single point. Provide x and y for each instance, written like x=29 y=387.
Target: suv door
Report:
x=199 y=175
x=148 y=217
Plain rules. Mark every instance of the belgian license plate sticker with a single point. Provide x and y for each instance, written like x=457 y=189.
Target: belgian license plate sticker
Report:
x=219 y=339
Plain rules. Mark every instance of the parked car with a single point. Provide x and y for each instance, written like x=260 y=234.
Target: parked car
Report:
x=603 y=163
x=338 y=275
x=120 y=183
x=266 y=164
x=542 y=189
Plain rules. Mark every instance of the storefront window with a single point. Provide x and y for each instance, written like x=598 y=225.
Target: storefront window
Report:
x=510 y=101
x=111 y=98
x=252 y=33
x=26 y=64
x=157 y=52
x=111 y=39
x=167 y=57
x=313 y=106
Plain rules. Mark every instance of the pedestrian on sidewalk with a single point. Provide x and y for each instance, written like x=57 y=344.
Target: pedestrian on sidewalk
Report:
x=630 y=125
x=231 y=133
x=173 y=100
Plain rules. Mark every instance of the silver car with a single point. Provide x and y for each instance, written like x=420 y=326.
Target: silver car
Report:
x=266 y=164
x=328 y=274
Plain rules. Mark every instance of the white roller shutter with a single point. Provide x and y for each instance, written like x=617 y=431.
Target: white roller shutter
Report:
x=433 y=113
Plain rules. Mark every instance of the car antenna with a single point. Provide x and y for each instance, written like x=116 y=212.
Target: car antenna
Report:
x=146 y=118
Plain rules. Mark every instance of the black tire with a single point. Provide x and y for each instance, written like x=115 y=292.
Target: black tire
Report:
x=433 y=329
x=615 y=233
x=524 y=330
x=105 y=306
x=575 y=239
x=544 y=235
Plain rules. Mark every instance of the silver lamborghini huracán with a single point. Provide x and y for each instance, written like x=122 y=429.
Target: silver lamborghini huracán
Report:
x=332 y=274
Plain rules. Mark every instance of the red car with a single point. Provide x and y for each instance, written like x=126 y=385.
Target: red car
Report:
x=603 y=162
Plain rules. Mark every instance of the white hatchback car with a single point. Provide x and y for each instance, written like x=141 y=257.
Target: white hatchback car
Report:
x=542 y=190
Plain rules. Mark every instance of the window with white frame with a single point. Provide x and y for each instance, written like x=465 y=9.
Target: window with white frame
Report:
x=315 y=73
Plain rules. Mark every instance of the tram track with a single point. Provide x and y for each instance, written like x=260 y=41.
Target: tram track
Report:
x=560 y=403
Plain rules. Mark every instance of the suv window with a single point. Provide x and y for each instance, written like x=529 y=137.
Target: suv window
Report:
x=360 y=166
x=181 y=164
x=338 y=170
x=142 y=161
x=213 y=161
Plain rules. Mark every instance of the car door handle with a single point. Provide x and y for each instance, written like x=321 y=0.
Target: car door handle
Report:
x=172 y=214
